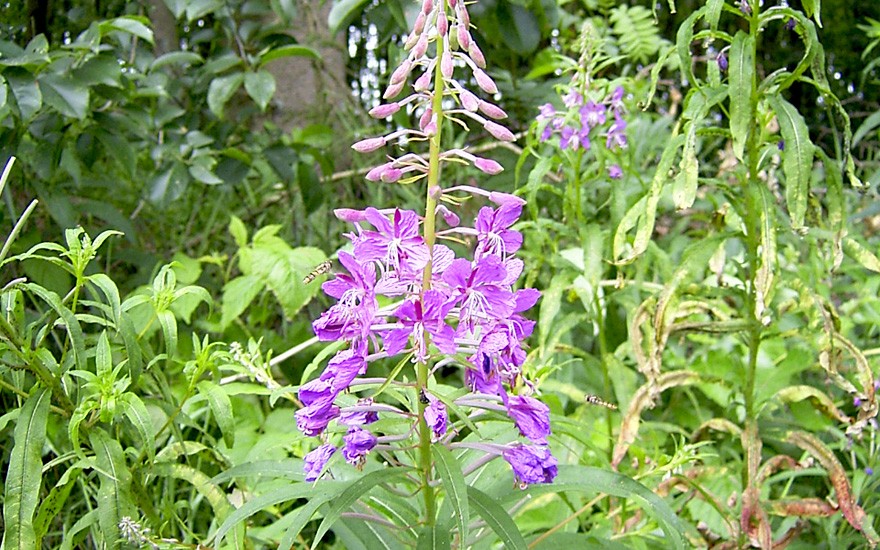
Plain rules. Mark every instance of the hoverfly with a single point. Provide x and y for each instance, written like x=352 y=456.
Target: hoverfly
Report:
x=598 y=401
x=322 y=268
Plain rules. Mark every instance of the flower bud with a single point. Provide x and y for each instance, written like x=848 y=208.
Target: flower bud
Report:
x=401 y=72
x=419 y=25
x=485 y=82
x=446 y=65
x=491 y=110
x=427 y=6
x=476 y=54
x=423 y=82
x=469 y=101
x=450 y=217
x=393 y=90
x=421 y=46
x=350 y=215
x=464 y=37
x=413 y=37
x=463 y=16
x=431 y=128
x=488 y=166
x=425 y=119
x=498 y=131
x=442 y=24
x=391 y=174
x=375 y=174
x=369 y=145
x=502 y=199
x=385 y=110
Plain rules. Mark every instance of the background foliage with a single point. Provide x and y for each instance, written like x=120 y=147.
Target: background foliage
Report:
x=155 y=324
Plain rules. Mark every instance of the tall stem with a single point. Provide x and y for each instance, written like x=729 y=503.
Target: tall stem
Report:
x=429 y=234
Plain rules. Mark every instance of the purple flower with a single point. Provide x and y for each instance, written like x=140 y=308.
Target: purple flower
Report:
x=615 y=172
x=781 y=145
x=869 y=471
x=394 y=243
x=314 y=390
x=531 y=417
x=565 y=137
x=352 y=315
x=548 y=111
x=345 y=366
x=436 y=417
x=531 y=463
x=418 y=317
x=721 y=59
x=316 y=460
x=745 y=7
x=493 y=233
x=352 y=416
x=592 y=114
x=478 y=288
x=857 y=401
x=617 y=100
x=616 y=134
x=790 y=24
x=483 y=378
x=572 y=99
x=313 y=419
x=358 y=442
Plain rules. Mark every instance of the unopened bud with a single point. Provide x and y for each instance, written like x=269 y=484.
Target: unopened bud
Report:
x=369 y=145
x=450 y=217
x=442 y=24
x=492 y=110
x=421 y=46
x=446 y=65
x=431 y=128
x=413 y=37
x=425 y=118
x=391 y=174
x=469 y=101
x=498 y=131
x=393 y=90
x=349 y=215
x=502 y=199
x=427 y=6
x=423 y=82
x=476 y=54
x=375 y=174
x=385 y=110
x=488 y=166
x=401 y=72
x=463 y=17
x=464 y=37
x=485 y=82
x=419 y=25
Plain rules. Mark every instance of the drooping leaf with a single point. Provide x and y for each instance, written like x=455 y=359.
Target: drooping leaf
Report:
x=221 y=408
x=742 y=75
x=797 y=158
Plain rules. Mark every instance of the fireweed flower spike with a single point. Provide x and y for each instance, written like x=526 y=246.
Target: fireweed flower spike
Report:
x=400 y=291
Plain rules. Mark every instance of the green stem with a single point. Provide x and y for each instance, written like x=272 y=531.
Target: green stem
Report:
x=429 y=234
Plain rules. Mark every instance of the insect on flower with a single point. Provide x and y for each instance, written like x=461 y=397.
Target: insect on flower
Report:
x=322 y=268
x=598 y=401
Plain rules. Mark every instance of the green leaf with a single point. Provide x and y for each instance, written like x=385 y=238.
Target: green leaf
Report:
x=454 y=484
x=176 y=58
x=813 y=8
x=797 y=158
x=351 y=494
x=593 y=480
x=24 y=474
x=859 y=253
x=72 y=325
x=103 y=356
x=136 y=413
x=202 y=174
x=435 y=537
x=53 y=503
x=261 y=87
x=26 y=92
x=763 y=203
x=136 y=26
x=237 y=296
x=497 y=518
x=290 y=50
x=238 y=231
x=221 y=408
x=66 y=96
x=221 y=90
x=3 y=94
x=741 y=78
x=169 y=331
x=343 y=13
x=205 y=486
x=114 y=492
x=522 y=33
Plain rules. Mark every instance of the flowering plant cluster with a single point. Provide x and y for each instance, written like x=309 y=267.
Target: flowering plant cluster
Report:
x=583 y=118
x=402 y=292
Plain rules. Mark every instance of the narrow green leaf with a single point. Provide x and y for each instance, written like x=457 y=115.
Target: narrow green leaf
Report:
x=813 y=8
x=351 y=494
x=765 y=206
x=343 y=13
x=435 y=537
x=283 y=469
x=290 y=50
x=103 y=356
x=684 y=191
x=454 y=484
x=169 y=331
x=214 y=495
x=836 y=207
x=220 y=91
x=797 y=158
x=114 y=492
x=713 y=13
x=24 y=476
x=238 y=231
x=741 y=73
x=302 y=516
x=221 y=408
x=74 y=330
x=136 y=413
x=497 y=518
x=52 y=504
x=683 y=40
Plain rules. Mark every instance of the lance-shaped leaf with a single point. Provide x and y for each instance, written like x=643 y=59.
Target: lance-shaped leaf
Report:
x=763 y=204
x=742 y=84
x=818 y=398
x=23 y=476
x=114 y=492
x=497 y=518
x=797 y=158
x=449 y=471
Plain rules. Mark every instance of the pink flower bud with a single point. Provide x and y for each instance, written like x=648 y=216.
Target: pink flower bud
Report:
x=498 y=131
x=350 y=215
x=384 y=110
x=492 y=110
x=463 y=17
x=442 y=24
x=435 y=192
x=453 y=3
x=431 y=128
x=421 y=46
x=393 y=90
x=375 y=174
x=464 y=37
x=446 y=66
x=485 y=82
x=401 y=72
x=369 y=145
x=423 y=82
x=391 y=174
x=476 y=54
x=502 y=199
x=419 y=25
x=425 y=118
x=488 y=166
x=469 y=101
x=413 y=37
x=450 y=217
x=427 y=6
